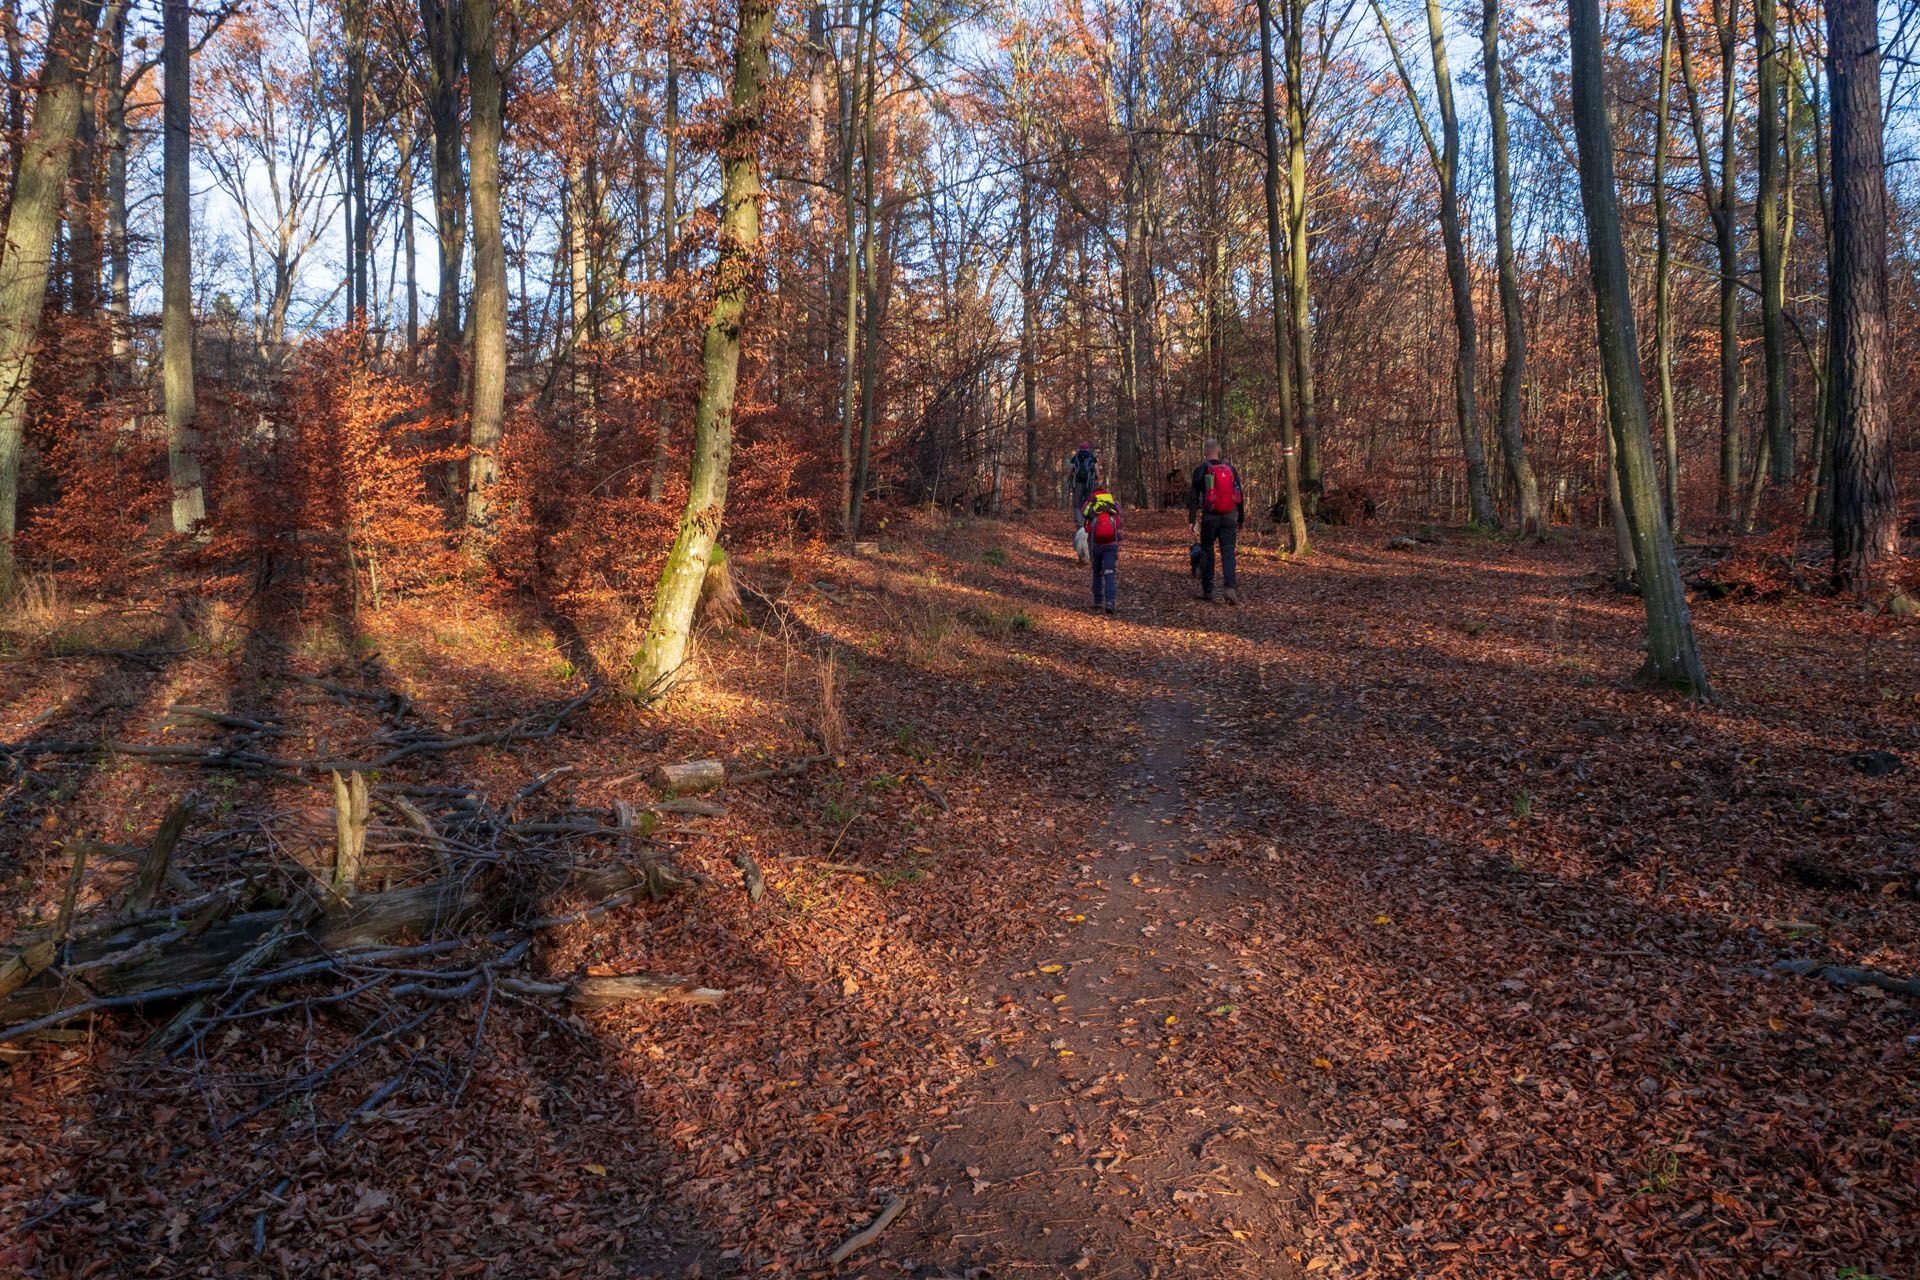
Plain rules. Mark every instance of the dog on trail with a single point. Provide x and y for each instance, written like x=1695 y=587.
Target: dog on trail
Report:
x=1195 y=554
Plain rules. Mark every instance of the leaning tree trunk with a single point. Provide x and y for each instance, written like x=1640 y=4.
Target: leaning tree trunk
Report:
x=1866 y=522
x=488 y=407
x=176 y=289
x=1289 y=454
x=664 y=651
x=39 y=191
x=1513 y=368
x=1673 y=656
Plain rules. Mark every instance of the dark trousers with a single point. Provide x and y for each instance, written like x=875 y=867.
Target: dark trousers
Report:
x=1225 y=530
x=1106 y=585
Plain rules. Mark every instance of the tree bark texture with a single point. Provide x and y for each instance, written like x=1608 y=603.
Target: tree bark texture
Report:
x=1514 y=366
x=1866 y=520
x=488 y=407
x=1663 y=267
x=664 y=651
x=33 y=217
x=1299 y=283
x=1673 y=656
x=1289 y=449
x=444 y=58
x=176 y=286
x=1777 y=440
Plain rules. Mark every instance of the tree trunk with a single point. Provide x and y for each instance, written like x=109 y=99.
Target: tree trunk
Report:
x=1663 y=268
x=1028 y=288
x=669 y=261
x=1460 y=280
x=488 y=407
x=664 y=651
x=445 y=56
x=870 y=305
x=358 y=249
x=120 y=267
x=850 y=227
x=33 y=217
x=408 y=141
x=1778 y=438
x=1673 y=656
x=1513 y=368
x=1723 y=226
x=1289 y=455
x=176 y=304
x=1866 y=517
x=1298 y=284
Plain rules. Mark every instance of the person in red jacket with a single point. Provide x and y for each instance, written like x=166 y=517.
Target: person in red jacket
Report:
x=1216 y=508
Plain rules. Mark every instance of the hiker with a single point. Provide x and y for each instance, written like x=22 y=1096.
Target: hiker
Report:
x=1085 y=475
x=1100 y=519
x=1216 y=508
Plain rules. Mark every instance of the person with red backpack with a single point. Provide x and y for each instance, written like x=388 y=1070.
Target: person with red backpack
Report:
x=1101 y=519
x=1217 y=507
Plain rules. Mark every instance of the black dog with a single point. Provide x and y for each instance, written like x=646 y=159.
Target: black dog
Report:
x=1195 y=554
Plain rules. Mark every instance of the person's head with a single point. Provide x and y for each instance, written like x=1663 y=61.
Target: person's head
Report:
x=1086 y=446
x=1212 y=448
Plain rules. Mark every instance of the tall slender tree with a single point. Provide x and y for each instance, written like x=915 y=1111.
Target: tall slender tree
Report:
x=1673 y=655
x=1276 y=271
x=1663 y=265
x=1774 y=462
x=1513 y=366
x=176 y=301
x=663 y=652
x=1445 y=155
x=1866 y=516
x=486 y=91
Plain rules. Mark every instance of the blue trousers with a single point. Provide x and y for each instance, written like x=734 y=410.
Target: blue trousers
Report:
x=1106 y=587
x=1225 y=530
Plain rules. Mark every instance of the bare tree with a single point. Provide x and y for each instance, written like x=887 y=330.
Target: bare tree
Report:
x=176 y=304
x=1673 y=656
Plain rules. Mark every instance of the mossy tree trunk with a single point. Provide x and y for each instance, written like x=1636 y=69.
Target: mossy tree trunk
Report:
x=1673 y=655
x=664 y=651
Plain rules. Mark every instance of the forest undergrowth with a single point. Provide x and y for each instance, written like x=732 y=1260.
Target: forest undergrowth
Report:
x=1507 y=945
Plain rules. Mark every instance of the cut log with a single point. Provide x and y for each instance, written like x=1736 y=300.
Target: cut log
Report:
x=349 y=829
x=596 y=991
x=689 y=777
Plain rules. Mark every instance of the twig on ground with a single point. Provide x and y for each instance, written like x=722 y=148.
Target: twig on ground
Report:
x=861 y=1239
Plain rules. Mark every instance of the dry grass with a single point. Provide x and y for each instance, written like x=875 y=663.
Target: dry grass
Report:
x=37 y=610
x=833 y=720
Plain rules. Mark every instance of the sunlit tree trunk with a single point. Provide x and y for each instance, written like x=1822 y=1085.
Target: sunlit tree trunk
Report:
x=408 y=142
x=664 y=650
x=1289 y=448
x=850 y=256
x=1298 y=283
x=1673 y=656
x=1819 y=507
x=1029 y=286
x=176 y=290
x=1777 y=440
x=870 y=303
x=33 y=217
x=1866 y=515
x=488 y=408
x=669 y=262
x=119 y=259
x=358 y=247
x=1514 y=366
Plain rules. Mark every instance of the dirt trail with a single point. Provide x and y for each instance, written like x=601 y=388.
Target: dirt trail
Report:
x=1077 y=1153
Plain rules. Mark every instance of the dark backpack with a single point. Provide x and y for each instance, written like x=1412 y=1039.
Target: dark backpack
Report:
x=1223 y=490
x=1083 y=468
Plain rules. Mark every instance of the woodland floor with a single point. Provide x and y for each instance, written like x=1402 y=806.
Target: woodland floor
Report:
x=1376 y=927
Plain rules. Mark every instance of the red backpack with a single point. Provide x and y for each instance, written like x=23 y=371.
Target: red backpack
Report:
x=1223 y=491
x=1103 y=519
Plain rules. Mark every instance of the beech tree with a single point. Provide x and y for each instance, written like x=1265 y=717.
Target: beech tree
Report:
x=1673 y=656
x=663 y=652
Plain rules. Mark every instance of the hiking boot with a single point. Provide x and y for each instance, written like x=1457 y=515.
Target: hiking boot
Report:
x=1206 y=597
x=1109 y=611
x=1233 y=595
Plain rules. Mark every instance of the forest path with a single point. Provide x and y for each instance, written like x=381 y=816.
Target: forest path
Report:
x=1081 y=1154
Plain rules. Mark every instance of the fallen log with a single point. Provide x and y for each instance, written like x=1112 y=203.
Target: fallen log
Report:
x=688 y=777
x=1847 y=976
x=234 y=953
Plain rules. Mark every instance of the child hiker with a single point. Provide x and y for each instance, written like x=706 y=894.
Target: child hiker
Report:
x=1101 y=519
